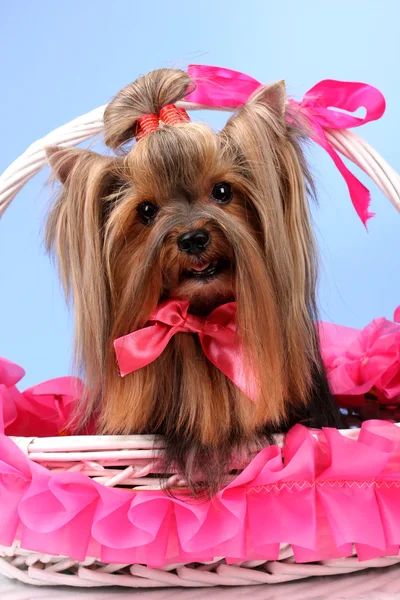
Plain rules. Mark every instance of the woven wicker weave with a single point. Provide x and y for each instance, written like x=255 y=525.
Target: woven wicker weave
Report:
x=44 y=569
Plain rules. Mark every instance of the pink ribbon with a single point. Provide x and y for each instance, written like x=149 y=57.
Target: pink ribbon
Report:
x=359 y=361
x=216 y=86
x=217 y=335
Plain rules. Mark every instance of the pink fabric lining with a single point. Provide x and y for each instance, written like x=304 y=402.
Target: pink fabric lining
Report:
x=329 y=493
x=42 y=410
x=359 y=361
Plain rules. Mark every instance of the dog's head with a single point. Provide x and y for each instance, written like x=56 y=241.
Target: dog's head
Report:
x=193 y=214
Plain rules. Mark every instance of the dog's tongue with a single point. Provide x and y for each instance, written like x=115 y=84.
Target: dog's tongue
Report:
x=202 y=268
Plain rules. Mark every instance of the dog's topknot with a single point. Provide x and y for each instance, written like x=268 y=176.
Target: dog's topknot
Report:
x=148 y=94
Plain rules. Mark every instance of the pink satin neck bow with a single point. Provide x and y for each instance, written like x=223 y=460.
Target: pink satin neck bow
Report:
x=217 y=335
x=220 y=87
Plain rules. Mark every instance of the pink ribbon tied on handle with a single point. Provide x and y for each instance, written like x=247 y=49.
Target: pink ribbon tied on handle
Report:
x=217 y=334
x=224 y=88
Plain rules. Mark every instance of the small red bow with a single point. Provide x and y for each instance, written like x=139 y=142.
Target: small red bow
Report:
x=217 y=334
x=170 y=115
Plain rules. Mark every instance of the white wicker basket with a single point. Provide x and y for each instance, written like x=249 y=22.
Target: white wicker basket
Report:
x=132 y=461
x=44 y=570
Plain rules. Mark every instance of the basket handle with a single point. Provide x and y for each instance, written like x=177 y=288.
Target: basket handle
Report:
x=90 y=124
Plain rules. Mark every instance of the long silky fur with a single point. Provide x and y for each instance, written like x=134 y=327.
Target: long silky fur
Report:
x=119 y=270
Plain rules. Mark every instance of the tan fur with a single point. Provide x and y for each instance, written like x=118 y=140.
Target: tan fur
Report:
x=118 y=270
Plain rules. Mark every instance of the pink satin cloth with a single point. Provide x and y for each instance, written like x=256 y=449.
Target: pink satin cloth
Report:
x=217 y=335
x=358 y=361
x=42 y=410
x=216 y=86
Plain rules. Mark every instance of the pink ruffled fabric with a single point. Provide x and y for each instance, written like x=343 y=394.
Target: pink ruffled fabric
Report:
x=359 y=361
x=42 y=410
x=319 y=500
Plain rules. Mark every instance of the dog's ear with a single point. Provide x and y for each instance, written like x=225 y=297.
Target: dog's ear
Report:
x=75 y=234
x=62 y=160
x=265 y=148
x=273 y=96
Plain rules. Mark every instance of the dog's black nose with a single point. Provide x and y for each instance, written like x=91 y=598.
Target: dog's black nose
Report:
x=194 y=242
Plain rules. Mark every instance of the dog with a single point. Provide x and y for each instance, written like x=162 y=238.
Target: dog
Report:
x=207 y=218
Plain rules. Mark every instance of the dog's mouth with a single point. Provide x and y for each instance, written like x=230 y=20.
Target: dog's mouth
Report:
x=206 y=271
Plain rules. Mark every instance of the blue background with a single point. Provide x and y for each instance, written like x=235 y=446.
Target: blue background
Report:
x=62 y=59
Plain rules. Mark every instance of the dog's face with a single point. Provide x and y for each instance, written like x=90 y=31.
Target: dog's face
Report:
x=176 y=229
x=196 y=259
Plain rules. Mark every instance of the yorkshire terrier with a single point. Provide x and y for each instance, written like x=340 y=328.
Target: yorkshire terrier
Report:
x=210 y=218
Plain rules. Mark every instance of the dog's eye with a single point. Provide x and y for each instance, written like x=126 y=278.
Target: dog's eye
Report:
x=147 y=212
x=222 y=192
